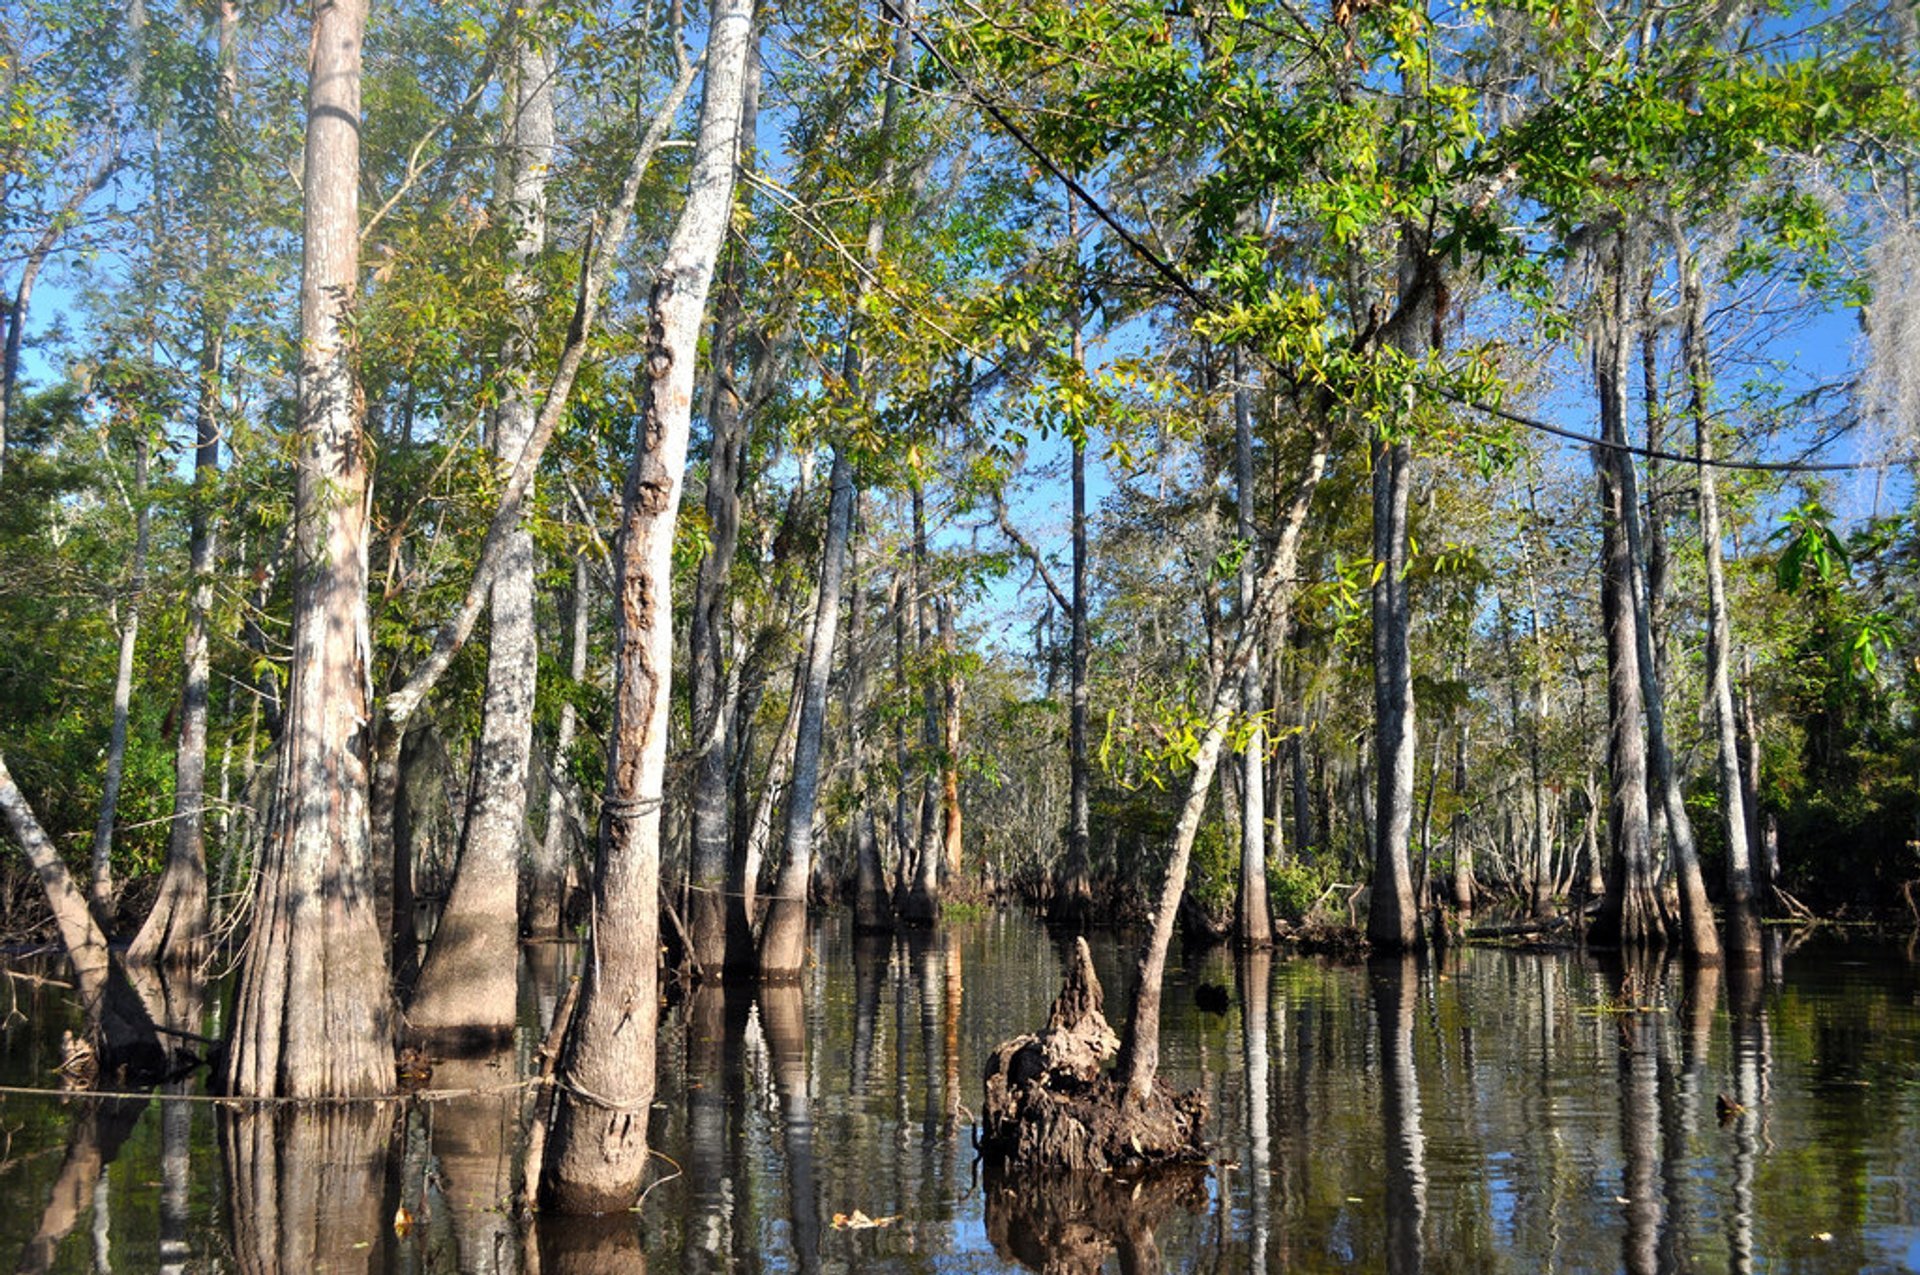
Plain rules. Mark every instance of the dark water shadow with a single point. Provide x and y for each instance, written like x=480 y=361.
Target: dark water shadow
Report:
x=783 y=1013
x=1071 y=1223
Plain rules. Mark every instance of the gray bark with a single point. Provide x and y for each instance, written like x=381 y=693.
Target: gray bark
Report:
x=311 y=1013
x=596 y=1152
x=1393 y=919
x=548 y=876
x=706 y=671
x=466 y=992
x=1743 y=929
x=1630 y=914
x=101 y=890
x=1254 y=919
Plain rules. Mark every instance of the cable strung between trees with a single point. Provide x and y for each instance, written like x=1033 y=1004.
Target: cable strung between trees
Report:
x=1168 y=271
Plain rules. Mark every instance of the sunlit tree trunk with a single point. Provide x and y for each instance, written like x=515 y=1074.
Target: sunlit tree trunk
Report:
x=466 y=988
x=547 y=876
x=1254 y=922
x=596 y=1153
x=706 y=665
x=1743 y=924
x=1393 y=918
x=311 y=1013
x=1630 y=914
x=100 y=889
x=1073 y=891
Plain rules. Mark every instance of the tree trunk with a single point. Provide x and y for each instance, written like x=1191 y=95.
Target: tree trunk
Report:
x=920 y=901
x=101 y=890
x=1140 y=1050
x=175 y=930
x=548 y=875
x=872 y=910
x=1073 y=890
x=466 y=994
x=1254 y=920
x=784 y=939
x=951 y=690
x=1393 y=919
x=1630 y=914
x=596 y=1152
x=706 y=664
x=116 y=1020
x=311 y=1013
x=1743 y=924
x=1696 y=914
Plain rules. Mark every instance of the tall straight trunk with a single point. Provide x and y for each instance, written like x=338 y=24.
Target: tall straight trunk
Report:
x=175 y=930
x=596 y=1152
x=952 y=688
x=1630 y=913
x=920 y=901
x=1073 y=890
x=872 y=910
x=465 y=995
x=744 y=878
x=1696 y=914
x=311 y=1012
x=1457 y=833
x=1541 y=871
x=783 y=940
x=547 y=875
x=1393 y=917
x=1743 y=927
x=101 y=890
x=1139 y=1060
x=399 y=706
x=712 y=844
x=1253 y=919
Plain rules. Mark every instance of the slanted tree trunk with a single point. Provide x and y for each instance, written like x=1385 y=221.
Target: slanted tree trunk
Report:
x=783 y=941
x=117 y=1022
x=1140 y=1049
x=1630 y=913
x=465 y=996
x=710 y=854
x=311 y=1014
x=596 y=1152
x=100 y=890
x=1253 y=919
x=1743 y=922
x=399 y=707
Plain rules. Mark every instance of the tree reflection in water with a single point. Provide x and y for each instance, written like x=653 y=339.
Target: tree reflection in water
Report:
x=95 y=1134
x=307 y=1188
x=1069 y=1224
x=1396 y=985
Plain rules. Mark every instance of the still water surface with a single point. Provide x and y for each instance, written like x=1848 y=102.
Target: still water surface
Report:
x=1491 y=1110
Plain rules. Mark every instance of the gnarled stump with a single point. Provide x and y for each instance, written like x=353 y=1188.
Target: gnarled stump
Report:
x=1050 y=1105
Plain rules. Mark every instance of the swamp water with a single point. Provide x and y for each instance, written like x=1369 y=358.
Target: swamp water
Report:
x=1492 y=1110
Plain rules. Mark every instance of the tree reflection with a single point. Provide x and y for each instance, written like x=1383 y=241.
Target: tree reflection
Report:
x=784 y=1013
x=1256 y=989
x=1636 y=988
x=96 y=1131
x=1745 y=1003
x=473 y=1135
x=1070 y=1223
x=606 y=1244
x=1396 y=983
x=306 y=1188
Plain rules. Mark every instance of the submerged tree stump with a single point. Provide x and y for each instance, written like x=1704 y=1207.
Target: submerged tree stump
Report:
x=1051 y=1105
